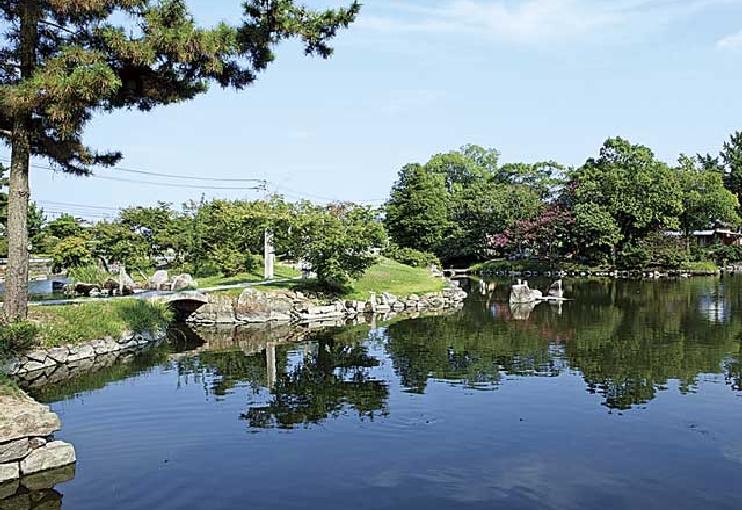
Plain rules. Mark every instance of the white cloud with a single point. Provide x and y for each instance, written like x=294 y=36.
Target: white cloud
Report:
x=536 y=21
x=730 y=42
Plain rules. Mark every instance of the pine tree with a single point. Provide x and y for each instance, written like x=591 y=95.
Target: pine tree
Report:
x=62 y=60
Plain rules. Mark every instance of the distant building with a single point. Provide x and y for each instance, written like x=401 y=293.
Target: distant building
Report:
x=723 y=236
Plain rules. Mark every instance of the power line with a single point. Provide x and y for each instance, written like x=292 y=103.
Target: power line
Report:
x=168 y=176
x=166 y=184
x=81 y=206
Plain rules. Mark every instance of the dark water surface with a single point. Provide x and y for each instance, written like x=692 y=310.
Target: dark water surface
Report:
x=626 y=397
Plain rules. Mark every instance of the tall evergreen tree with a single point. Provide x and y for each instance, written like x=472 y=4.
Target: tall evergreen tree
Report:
x=417 y=210
x=731 y=157
x=62 y=60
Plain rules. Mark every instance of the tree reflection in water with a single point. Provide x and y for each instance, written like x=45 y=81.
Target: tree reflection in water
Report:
x=627 y=338
x=332 y=379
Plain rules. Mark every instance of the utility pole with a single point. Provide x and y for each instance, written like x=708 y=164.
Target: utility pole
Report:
x=197 y=235
x=269 y=253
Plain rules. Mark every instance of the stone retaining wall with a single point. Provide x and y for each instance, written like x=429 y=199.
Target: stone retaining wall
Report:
x=27 y=444
x=45 y=366
x=254 y=306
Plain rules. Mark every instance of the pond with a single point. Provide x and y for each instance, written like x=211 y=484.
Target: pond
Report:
x=627 y=396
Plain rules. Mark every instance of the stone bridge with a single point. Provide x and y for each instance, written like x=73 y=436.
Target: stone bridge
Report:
x=184 y=303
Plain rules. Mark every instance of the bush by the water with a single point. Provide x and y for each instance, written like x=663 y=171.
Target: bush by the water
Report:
x=16 y=337
x=411 y=256
x=89 y=273
x=74 y=324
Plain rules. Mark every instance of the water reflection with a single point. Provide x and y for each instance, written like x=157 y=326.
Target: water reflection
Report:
x=35 y=492
x=626 y=339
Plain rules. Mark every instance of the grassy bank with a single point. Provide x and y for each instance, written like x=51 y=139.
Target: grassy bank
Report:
x=395 y=278
x=384 y=276
x=280 y=272
x=73 y=324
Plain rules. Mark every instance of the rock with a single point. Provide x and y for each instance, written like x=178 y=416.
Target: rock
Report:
x=48 y=479
x=60 y=355
x=158 y=280
x=413 y=297
x=184 y=281
x=556 y=289
x=85 y=289
x=370 y=306
x=14 y=450
x=22 y=417
x=39 y=356
x=9 y=472
x=299 y=295
x=460 y=295
x=389 y=299
x=10 y=367
x=34 y=366
x=9 y=489
x=80 y=352
x=436 y=303
x=100 y=347
x=398 y=306
x=50 y=456
x=521 y=293
x=36 y=442
x=321 y=310
x=254 y=306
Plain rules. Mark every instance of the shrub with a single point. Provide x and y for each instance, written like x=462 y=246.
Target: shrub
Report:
x=89 y=273
x=411 y=256
x=16 y=337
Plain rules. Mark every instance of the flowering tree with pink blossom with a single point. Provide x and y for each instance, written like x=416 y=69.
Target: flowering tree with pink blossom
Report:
x=543 y=234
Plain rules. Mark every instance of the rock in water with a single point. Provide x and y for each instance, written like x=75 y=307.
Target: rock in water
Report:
x=556 y=290
x=521 y=293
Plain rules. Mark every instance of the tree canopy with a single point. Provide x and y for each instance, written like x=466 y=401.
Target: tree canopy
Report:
x=61 y=61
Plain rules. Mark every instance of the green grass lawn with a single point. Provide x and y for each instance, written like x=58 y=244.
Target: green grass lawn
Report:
x=280 y=272
x=395 y=278
x=73 y=324
x=384 y=276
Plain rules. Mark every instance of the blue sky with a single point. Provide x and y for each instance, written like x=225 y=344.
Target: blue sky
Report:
x=536 y=79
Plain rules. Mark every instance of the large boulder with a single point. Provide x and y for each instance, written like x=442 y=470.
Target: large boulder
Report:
x=254 y=306
x=52 y=455
x=22 y=417
x=219 y=310
x=521 y=293
x=159 y=279
x=184 y=281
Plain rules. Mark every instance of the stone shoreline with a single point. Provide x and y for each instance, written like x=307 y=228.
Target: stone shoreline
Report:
x=27 y=444
x=254 y=306
x=47 y=366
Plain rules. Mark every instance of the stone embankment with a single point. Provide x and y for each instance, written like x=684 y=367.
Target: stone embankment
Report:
x=27 y=444
x=254 y=306
x=47 y=366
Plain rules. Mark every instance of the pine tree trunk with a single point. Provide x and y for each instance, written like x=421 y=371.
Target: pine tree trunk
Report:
x=16 y=280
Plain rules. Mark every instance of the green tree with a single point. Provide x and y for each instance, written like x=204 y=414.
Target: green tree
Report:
x=706 y=202
x=417 y=210
x=69 y=252
x=595 y=232
x=103 y=55
x=640 y=193
x=336 y=240
x=115 y=242
x=731 y=158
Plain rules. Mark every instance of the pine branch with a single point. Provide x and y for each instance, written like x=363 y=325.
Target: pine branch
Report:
x=57 y=26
